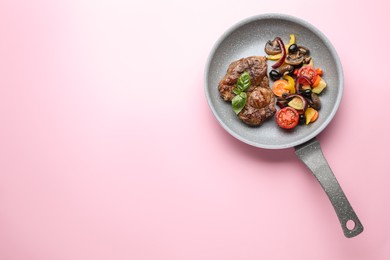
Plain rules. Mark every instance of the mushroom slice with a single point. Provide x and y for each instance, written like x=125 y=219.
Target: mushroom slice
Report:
x=302 y=55
x=315 y=101
x=295 y=59
x=286 y=69
x=272 y=47
x=307 y=60
x=303 y=50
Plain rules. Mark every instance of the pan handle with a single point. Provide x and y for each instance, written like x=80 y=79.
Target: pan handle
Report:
x=311 y=155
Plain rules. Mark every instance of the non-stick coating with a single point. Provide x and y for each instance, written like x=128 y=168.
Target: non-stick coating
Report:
x=248 y=38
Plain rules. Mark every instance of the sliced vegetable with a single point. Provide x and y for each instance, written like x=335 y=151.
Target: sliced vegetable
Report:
x=273 y=47
x=303 y=80
x=314 y=101
x=279 y=87
x=308 y=72
x=287 y=118
x=304 y=51
x=311 y=63
x=274 y=57
x=295 y=59
x=314 y=118
x=298 y=102
x=285 y=69
x=318 y=79
x=311 y=115
x=291 y=84
x=307 y=60
x=300 y=83
x=320 y=87
x=298 y=55
x=292 y=41
x=283 y=50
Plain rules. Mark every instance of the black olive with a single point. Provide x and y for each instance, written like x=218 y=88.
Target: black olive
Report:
x=293 y=48
x=302 y=119
x=274 y=74
x=284 y=95
x=307 y=92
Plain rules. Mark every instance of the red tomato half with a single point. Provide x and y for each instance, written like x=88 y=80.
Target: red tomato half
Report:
x=309 y=72
x=287 y=117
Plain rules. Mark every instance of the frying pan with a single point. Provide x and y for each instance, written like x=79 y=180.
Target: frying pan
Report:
x=248 y=38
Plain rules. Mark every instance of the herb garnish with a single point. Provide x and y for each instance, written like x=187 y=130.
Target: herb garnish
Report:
x=239 y=101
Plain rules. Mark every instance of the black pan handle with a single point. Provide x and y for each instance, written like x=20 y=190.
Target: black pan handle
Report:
x=310 y=153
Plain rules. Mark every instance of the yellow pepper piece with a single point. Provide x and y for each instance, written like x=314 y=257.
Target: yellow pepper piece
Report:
x=274 y=57
x=311 y=115
x=291 y=84
x=292 y=41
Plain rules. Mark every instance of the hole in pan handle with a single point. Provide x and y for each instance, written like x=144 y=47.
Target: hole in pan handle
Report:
x=311 y=155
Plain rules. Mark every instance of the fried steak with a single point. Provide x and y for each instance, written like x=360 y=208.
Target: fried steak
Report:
x=260 y=104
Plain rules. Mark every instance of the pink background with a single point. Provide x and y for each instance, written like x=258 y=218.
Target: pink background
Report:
x=108 y=149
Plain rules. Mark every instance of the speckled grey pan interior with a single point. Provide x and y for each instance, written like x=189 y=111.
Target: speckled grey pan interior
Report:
x=248 y=38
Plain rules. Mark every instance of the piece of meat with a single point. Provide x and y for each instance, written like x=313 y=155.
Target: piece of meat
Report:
x=259 y=107
x=255 y=65
x=260 y=104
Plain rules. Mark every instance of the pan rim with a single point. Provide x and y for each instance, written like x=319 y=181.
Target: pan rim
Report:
x=298 y=21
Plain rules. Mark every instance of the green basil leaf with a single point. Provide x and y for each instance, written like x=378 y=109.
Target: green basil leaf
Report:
x=237 y=91
x=244 y=81
x=238 y=102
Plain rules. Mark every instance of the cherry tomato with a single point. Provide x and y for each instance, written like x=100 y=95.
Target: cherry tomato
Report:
x=309 y=72
x=304 y=80
x=287 y=118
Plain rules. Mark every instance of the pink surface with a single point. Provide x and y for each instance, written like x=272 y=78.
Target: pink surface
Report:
x=108 y=149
